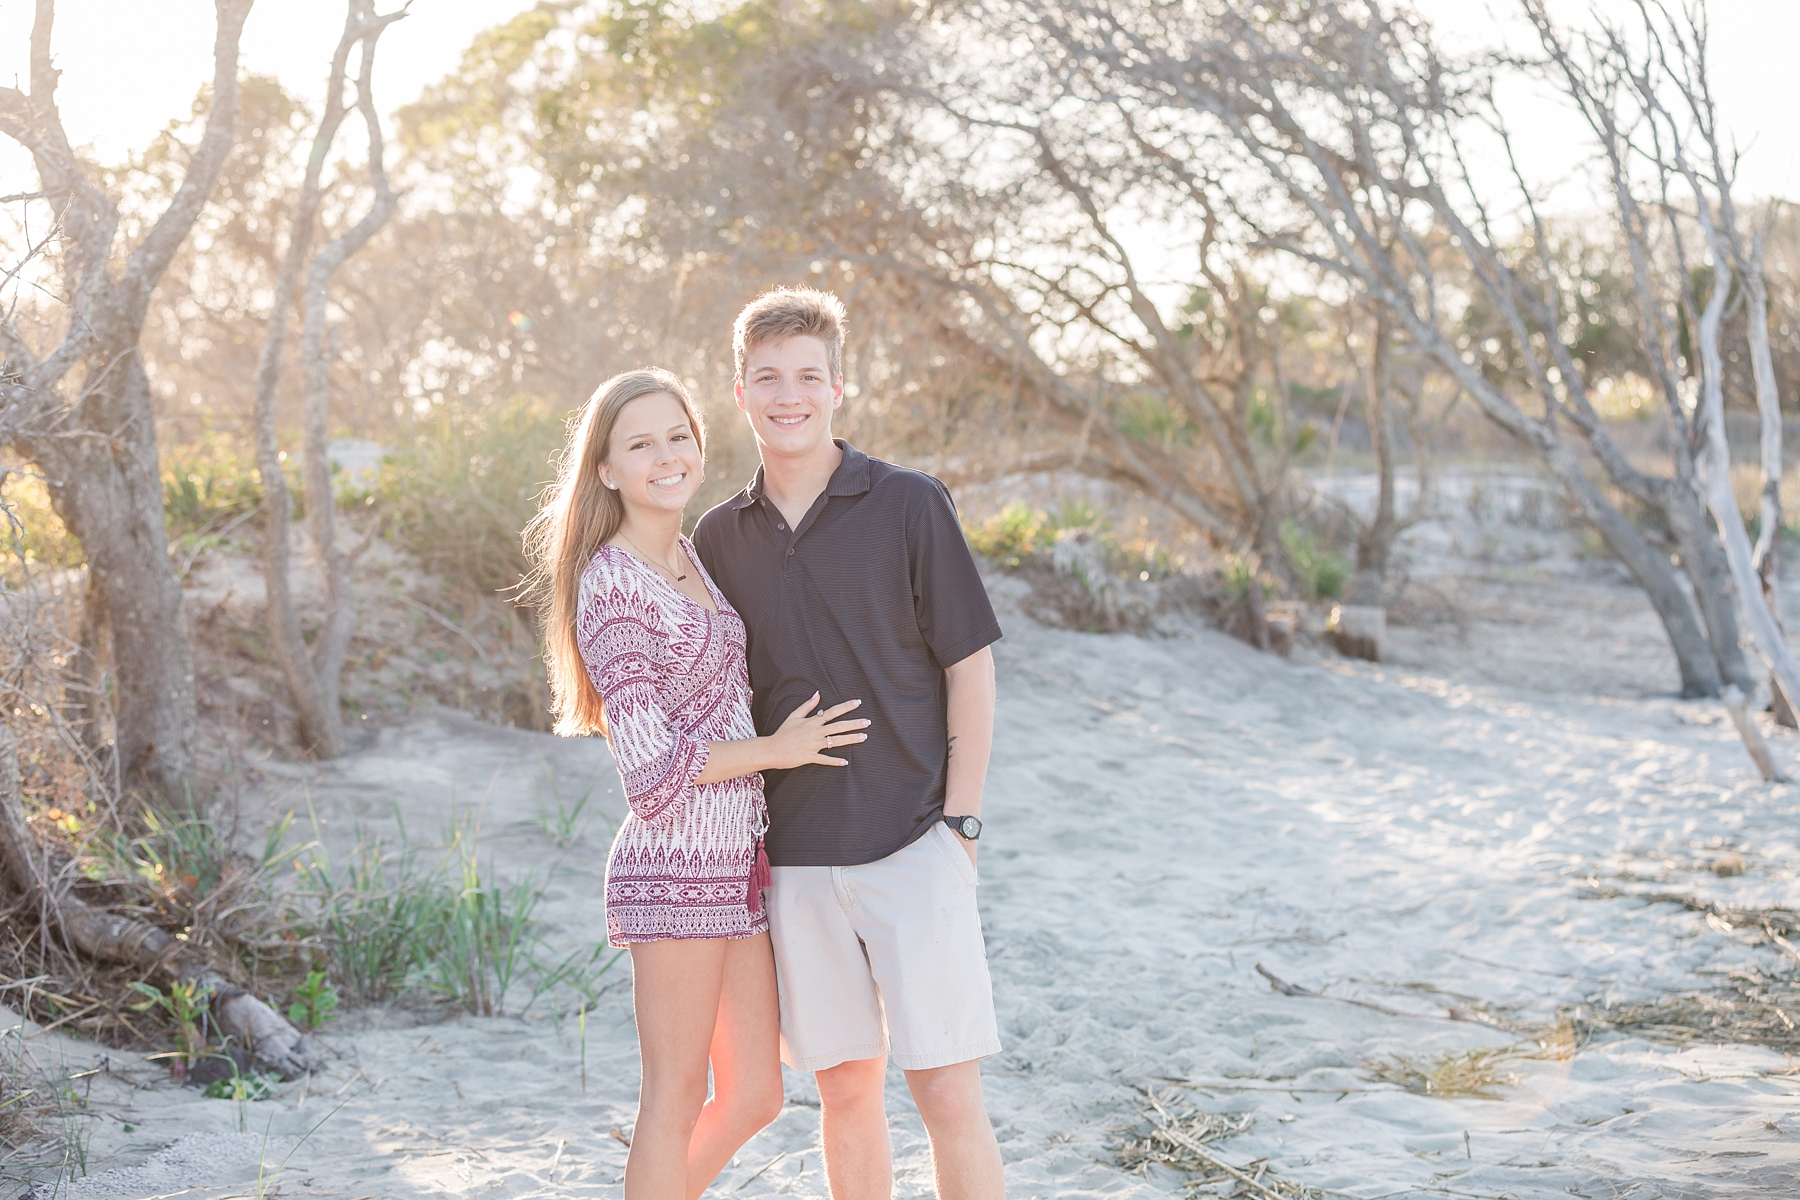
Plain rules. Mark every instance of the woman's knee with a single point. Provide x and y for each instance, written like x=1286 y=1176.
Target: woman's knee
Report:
x=750 y=1106
x=677 y=1100
x=766 y=1104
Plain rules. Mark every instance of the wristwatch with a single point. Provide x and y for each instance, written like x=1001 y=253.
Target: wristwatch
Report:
x=967 y=828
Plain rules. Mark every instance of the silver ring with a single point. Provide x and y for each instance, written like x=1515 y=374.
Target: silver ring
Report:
x=828 y=742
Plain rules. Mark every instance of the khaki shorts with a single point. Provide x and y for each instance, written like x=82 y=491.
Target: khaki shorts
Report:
x=887 y=954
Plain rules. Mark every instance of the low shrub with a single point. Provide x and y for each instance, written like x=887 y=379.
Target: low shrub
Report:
x=1239 y=574
x=1320 y=571
x=1011 y=536
x=209 y=483
x=458 y=494
x=1017 y=536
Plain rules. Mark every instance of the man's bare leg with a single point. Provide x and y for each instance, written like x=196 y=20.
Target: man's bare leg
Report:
x=859 y=1157
x=965 y=1158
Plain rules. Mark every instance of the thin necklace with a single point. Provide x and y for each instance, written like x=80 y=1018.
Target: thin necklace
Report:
x=647 y=558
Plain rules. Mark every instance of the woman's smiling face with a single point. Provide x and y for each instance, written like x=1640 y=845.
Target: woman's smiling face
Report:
x=653 y=457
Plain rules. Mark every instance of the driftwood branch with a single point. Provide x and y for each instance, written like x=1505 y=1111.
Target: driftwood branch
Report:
x=1278 y=984
x=273 y=1043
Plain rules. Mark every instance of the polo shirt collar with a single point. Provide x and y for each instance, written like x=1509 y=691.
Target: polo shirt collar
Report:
x=852 y=475
x=850 y=479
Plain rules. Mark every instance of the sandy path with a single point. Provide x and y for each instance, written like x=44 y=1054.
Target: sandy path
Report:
x=1163 y=814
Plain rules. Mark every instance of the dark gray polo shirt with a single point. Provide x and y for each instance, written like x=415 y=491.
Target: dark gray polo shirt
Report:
x=870 y=598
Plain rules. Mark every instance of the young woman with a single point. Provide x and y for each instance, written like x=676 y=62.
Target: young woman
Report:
x=643 y=649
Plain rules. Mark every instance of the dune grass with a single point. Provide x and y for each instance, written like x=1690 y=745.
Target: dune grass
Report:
x=393 y=921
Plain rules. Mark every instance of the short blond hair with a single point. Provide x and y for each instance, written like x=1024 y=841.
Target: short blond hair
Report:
x=791 y=312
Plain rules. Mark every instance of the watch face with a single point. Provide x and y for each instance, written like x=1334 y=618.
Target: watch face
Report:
x=971 y=828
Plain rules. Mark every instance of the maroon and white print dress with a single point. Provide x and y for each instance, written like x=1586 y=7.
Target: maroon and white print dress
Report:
x=673 y=677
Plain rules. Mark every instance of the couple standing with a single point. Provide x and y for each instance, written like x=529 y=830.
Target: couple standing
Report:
x=833 y=603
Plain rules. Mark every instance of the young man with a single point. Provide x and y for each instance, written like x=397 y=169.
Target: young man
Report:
x=855 y=582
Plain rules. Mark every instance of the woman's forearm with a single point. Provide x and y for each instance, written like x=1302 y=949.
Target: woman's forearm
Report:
x=728 y=760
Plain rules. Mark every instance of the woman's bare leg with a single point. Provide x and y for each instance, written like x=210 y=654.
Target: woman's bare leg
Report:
x=675 y=988
x=746 y=1062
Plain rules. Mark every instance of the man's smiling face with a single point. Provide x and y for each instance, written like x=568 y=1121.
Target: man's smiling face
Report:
x=788 y=394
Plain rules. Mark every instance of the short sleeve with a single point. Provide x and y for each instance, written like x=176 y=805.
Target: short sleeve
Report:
x=624 y=646
x=954 y=614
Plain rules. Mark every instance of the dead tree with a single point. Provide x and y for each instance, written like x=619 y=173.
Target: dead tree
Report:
x=1674 y=93
x=1355 y=126
x=1768 y=407
x=81 y=409
x=313 y=674
x=1655 y=106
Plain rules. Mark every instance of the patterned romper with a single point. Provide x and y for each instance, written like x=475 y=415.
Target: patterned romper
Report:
x=688 y=860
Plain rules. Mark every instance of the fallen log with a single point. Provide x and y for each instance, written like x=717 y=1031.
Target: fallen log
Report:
x=271 y=1041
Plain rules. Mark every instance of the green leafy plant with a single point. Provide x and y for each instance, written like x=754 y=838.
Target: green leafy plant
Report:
x=458 y=494
x=1322 y=571
x=208 y=484
x=314 y=1001
x=42 y=537
x=242 y=1088
x=187 y=854
x=185 y=1003
x=1016 y=534
x=1011 y=536
x=389 y=922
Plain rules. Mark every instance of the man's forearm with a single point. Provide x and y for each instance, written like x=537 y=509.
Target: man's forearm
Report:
x=970 y=685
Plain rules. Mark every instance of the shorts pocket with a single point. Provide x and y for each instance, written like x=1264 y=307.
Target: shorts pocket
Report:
x=959 y=857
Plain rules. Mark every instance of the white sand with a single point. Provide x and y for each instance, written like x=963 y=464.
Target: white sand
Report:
x=1162 y=815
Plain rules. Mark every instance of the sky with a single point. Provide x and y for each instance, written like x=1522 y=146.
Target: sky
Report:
x=130 y=66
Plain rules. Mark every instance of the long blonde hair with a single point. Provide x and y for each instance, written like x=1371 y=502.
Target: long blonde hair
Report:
x=579 y=514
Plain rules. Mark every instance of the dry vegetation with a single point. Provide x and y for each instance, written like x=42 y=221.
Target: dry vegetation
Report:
x=1179 y=1137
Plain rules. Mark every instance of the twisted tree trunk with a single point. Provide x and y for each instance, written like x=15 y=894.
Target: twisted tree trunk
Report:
x=312 y=674
x=95 y=438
